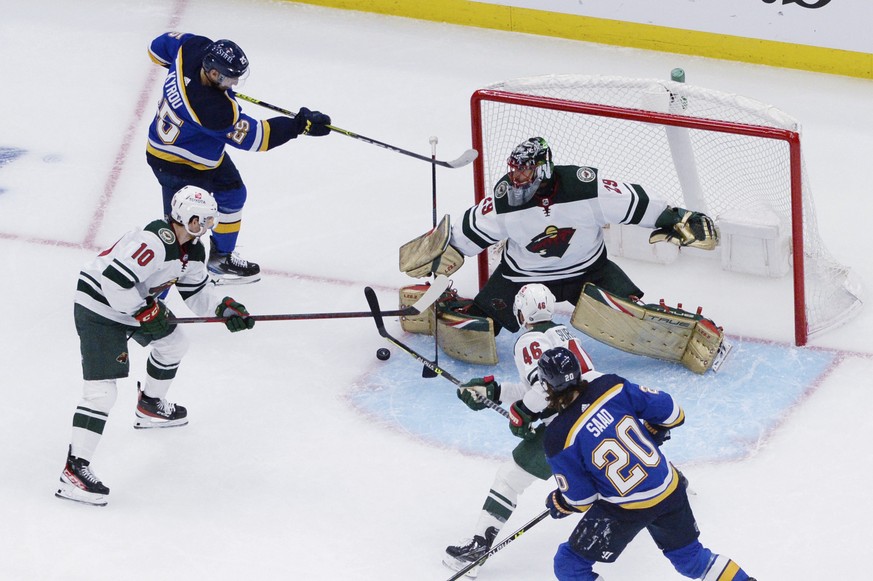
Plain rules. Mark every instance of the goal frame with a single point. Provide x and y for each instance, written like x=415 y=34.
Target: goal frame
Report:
x=792 y=138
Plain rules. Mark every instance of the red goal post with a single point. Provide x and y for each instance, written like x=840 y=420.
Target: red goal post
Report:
x=688 y=143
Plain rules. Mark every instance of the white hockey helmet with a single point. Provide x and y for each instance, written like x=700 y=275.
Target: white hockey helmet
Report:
x=192 y=202
x=534 y=303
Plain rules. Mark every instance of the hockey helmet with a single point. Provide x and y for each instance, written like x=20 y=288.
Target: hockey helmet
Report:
x=559 y=369
x=534 y=303
x=192 y=202
x=226 y=57
x=529 y=164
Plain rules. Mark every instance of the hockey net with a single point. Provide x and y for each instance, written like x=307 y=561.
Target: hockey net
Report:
x=736 y=159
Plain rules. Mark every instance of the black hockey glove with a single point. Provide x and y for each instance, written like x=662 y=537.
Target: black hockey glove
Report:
x=685 y=228
x=659 y=434
x=314 y=123
x=472 y=392
x=521 y=421
x=238 y=318
x=558 y=505
x=153 y=317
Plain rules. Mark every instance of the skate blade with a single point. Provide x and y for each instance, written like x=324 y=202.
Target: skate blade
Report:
x=457 y=565
x=724 y=350
x=72 y=492
x=148 y=423
x=229 y=279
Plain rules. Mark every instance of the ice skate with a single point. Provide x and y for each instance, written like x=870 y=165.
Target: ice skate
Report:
x=232 y=269
x=153 y=412
x=80 y=484
x=459 y=556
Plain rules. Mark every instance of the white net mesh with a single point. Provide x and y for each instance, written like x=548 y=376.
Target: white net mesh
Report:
x=718 y=169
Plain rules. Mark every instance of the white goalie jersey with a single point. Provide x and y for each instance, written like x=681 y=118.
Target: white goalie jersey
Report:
x=557 y=234
x=529 y=347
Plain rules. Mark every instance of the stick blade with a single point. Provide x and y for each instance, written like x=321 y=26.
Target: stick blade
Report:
x=466 y=158
x=373 y=301
x=432 y=295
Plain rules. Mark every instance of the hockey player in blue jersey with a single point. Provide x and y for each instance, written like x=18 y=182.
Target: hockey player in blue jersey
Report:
x=197 y=117
x=603 y=448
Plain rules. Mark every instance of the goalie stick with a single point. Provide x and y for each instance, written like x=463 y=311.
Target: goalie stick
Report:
x=437 y=288
x=427 y=372
x=500 y=545
x=377 y=314
x=466 y=158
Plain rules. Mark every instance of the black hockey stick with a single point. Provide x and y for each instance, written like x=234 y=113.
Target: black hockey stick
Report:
x=500 y=545
x=436 y=290
x=377 y=314
x=427 y=372
x=466 y=158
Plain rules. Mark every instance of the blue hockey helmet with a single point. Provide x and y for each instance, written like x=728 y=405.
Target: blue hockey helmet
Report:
x=226 y=57
x=559 y=369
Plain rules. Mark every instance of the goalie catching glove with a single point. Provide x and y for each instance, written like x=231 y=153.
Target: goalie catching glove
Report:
x=474 y=392
x=685 y=228
x=431 y=253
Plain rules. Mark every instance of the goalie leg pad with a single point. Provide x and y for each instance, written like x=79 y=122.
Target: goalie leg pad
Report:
x=653 y=330
x=422 y=323
x=466 y=337
x=460 y=335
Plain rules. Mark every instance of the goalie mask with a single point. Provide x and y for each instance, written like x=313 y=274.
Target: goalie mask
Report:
x=529 y=164
x=534 y=303
x=559 y=369
x=192 y=202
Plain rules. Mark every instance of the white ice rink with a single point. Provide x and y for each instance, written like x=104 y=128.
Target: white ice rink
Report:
x=283 y=472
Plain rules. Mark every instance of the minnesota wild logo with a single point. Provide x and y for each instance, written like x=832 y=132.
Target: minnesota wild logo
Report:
x=552 y=243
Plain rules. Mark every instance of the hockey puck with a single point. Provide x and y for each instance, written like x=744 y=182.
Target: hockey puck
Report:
x=382 y=354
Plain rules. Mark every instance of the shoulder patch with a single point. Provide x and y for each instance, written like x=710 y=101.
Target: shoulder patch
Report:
x=501 y=190
x=167 y=235
x=586 y=174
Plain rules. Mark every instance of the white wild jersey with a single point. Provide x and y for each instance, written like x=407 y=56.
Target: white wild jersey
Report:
x=558 y=233
x=529 y=347
x=145 y=263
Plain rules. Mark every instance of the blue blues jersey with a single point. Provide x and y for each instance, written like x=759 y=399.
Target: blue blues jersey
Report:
x=195 y=120
x=599 y=450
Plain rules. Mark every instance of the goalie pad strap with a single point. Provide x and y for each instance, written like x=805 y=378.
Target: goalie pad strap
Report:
x=652 y=330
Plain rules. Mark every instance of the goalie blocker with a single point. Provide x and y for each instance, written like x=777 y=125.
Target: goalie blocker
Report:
x=431 y=253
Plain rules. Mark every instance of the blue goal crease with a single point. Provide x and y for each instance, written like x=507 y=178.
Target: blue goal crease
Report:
x=729 y=414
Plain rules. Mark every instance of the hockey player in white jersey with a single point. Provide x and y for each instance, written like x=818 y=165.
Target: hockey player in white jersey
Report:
x=533 y=307
x=115 y=302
